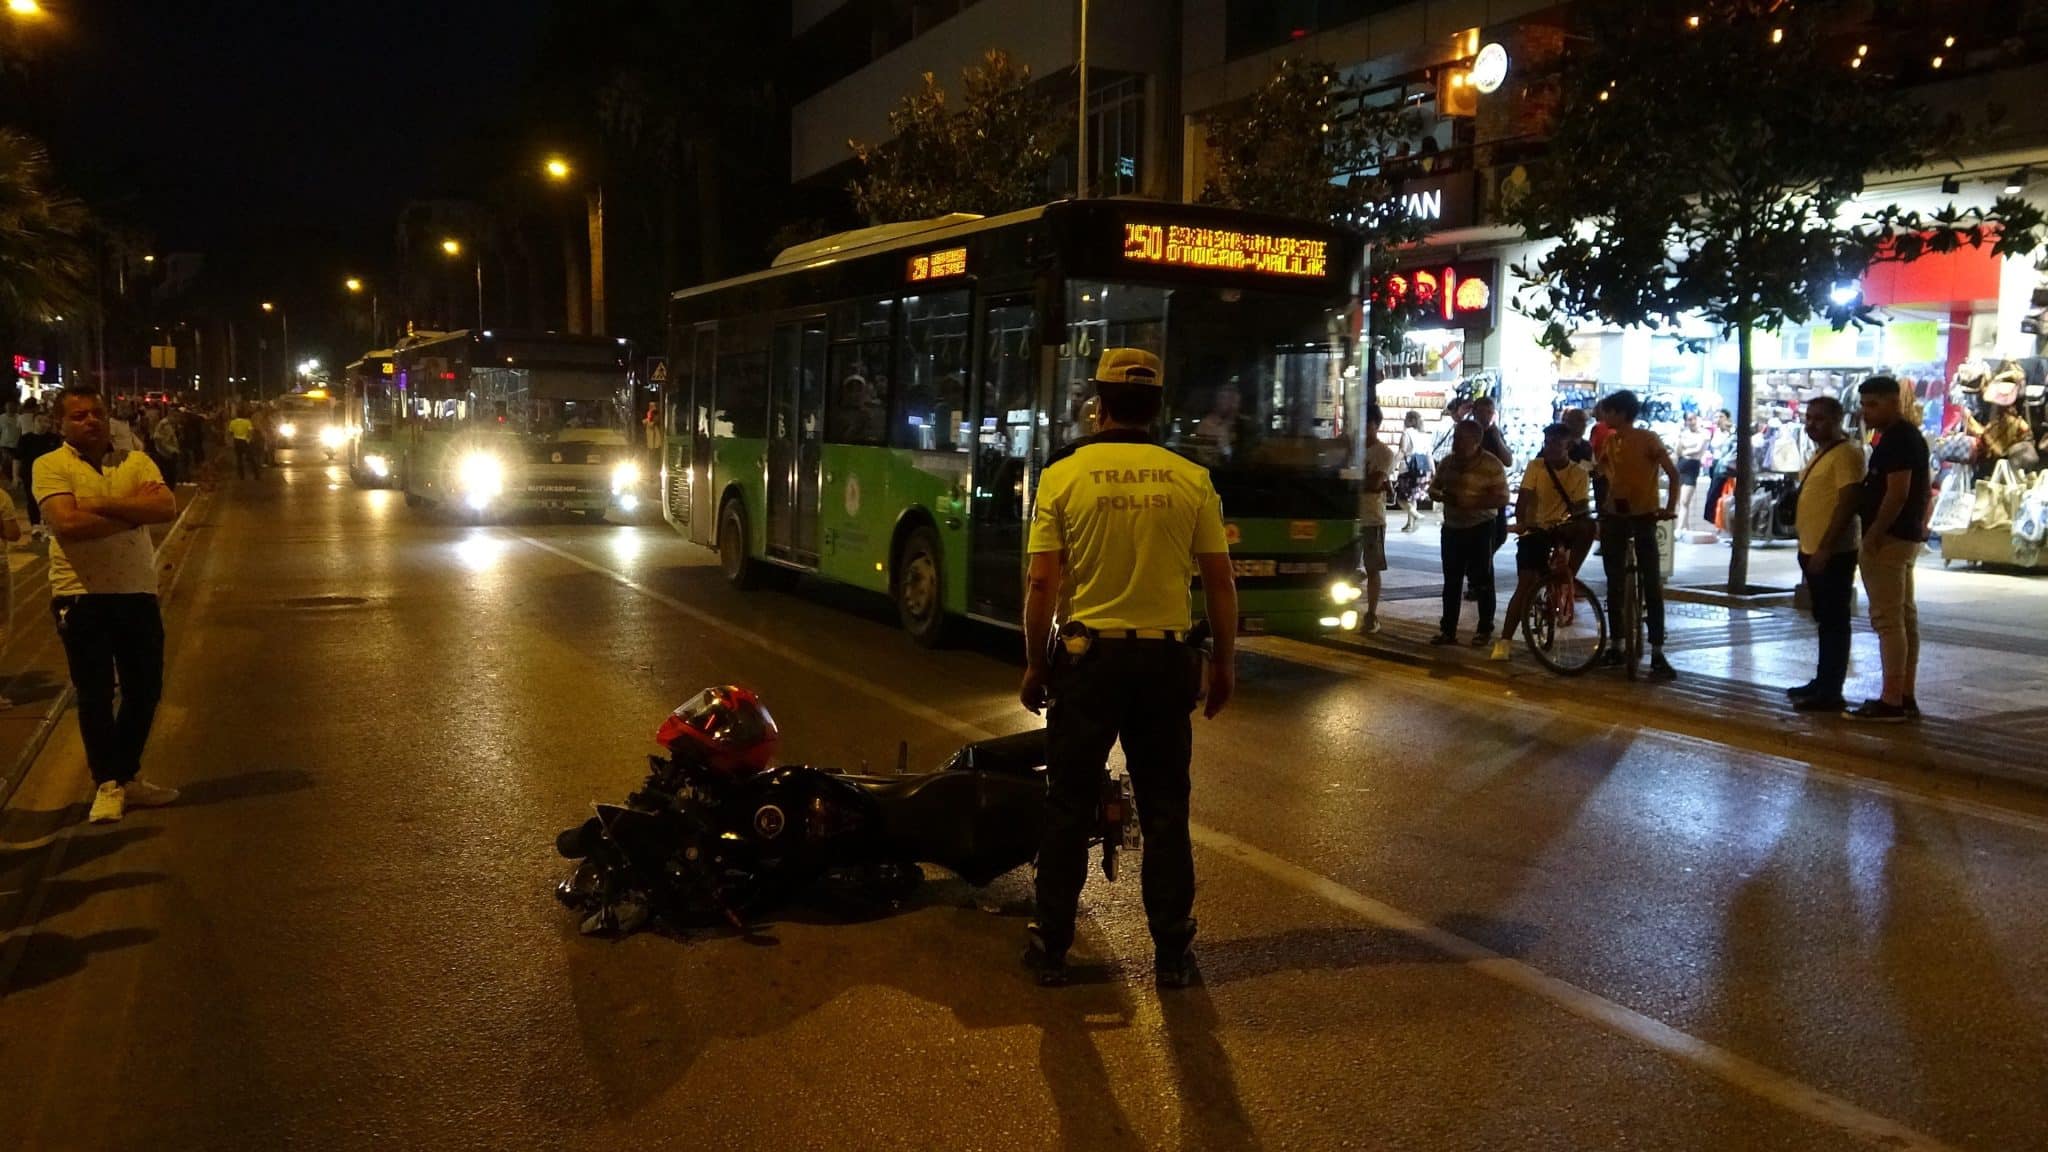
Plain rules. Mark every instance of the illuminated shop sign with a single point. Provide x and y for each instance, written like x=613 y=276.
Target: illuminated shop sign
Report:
x=24 y=366
x=1458 y=295
x=938 y=265
x=1186 y=246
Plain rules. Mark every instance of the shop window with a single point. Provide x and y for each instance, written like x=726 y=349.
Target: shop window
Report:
x=932 y=363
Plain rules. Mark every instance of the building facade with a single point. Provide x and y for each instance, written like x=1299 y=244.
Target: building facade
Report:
x=857 y=58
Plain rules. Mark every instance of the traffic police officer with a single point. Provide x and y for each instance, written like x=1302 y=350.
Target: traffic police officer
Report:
x=1120 y=526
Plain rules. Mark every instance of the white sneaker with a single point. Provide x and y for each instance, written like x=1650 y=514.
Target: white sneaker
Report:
x=1500 y=651
x=143 y=794
x=108 y=803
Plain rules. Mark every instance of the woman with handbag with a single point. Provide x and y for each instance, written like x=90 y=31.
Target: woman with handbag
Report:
x=1552 y=507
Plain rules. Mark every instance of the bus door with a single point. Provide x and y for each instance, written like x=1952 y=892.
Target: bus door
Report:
x=1004 y=422
x=796 y=432
x=703 y=376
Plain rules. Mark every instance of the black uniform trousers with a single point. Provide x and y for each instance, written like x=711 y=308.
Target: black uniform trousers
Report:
x=1141 y=692
x=105 y=636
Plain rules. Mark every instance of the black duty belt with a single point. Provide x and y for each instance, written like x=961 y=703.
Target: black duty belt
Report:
x=1166 y=634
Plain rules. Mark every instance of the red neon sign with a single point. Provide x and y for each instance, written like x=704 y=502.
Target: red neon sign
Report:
x=1446 y=295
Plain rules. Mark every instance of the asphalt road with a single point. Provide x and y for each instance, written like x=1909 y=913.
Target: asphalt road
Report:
x=1432 y=917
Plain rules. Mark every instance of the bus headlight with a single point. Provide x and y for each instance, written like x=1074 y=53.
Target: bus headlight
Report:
x=1349 y=620
x=1344 y=592
x=625 y=477
x=287 y=430
x=333 y=436
x=377 y=466
x=481 y=478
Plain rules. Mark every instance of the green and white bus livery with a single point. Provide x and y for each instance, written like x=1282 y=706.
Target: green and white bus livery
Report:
x=494 y=423
x=369 y=418
x=875 y=407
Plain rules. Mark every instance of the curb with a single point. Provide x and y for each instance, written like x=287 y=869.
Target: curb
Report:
x=17 y=774
x=1750 y=725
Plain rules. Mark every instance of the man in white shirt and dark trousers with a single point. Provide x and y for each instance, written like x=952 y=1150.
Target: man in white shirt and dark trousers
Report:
x=99 y=504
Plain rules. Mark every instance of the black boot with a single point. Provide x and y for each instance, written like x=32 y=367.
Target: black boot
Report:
x=1173 y=957
x=1049 y=966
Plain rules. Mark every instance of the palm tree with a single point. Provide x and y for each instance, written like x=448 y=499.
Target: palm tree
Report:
x=45 y=267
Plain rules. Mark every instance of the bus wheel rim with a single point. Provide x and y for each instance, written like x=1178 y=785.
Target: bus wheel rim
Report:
x=917 y=586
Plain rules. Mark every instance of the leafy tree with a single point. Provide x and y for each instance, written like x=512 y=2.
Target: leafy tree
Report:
x=993 y=154
x=1306 y=146
x=44 y=262
x=1707 y=160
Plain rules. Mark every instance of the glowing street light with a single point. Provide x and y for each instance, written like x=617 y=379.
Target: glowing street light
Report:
x=356 y=287
x=269 y=307
x=453 y=247
x=149 y=258
x=559 y=171
x=24 y=7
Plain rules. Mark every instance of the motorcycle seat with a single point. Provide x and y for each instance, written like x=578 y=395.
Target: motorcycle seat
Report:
x=1022 y=754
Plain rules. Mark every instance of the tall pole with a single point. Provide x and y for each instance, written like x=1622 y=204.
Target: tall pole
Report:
x=596 y=205
x=286 y=318
x=479 y=289
x=1081 y=136
x=373 y=320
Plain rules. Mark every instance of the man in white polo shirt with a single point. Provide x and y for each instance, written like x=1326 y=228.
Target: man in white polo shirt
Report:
x=98 y=504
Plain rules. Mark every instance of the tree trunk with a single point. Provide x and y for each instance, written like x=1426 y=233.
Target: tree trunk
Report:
x=572 y=275
x=1745 y=458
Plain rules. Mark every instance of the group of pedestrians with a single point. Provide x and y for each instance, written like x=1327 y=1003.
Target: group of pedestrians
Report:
x=1869 y=513
x=1853 y=514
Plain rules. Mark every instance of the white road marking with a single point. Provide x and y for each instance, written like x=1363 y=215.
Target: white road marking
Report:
x=1784 y=1091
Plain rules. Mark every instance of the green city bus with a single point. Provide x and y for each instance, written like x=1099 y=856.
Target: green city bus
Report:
x=369 y=417
x=492 y=423
x=875 y=407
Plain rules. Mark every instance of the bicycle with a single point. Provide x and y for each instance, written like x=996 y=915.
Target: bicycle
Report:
x=1565 y=630
x=1627 y=601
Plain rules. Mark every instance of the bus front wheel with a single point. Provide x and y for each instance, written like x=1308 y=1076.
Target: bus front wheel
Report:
x=741 y=571
x=920 y=595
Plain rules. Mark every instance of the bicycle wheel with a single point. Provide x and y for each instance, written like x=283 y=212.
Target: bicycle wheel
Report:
x=1566 y=638
x=1631 y=623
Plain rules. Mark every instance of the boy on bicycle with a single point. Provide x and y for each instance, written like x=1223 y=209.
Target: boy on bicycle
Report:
x=1630 y=459
x=1554 y=492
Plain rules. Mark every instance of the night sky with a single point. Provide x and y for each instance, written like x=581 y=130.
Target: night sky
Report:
x=279 y=138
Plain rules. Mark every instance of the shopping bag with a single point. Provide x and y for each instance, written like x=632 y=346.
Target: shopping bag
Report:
x=2030 y=525
x=1954 y=504
x=1997 y=498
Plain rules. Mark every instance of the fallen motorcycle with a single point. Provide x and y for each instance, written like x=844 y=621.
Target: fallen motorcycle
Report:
x=718 y=831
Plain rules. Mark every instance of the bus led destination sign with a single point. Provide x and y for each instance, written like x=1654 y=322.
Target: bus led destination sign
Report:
x=1186 y=246
x=938 y=265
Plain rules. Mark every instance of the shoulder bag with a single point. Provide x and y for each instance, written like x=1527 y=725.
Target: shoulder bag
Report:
x=1788 y=508
x=1578 y=531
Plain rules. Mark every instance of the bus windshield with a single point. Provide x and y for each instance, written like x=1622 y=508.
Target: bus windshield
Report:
x=1260 y=388
x=556 y=405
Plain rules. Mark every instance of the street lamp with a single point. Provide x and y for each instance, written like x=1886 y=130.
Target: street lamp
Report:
x=559 y=171
x=453 y=248
x=354 y=284
x=285 y=355
x=24 y=7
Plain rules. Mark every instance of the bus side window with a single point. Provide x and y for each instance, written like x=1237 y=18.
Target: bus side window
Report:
x=932 y=373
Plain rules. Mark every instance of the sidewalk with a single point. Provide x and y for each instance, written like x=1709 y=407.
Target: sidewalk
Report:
x=33 y=673
x=1983 y=670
